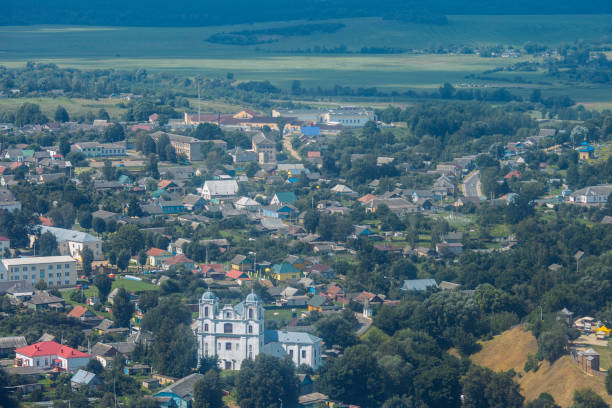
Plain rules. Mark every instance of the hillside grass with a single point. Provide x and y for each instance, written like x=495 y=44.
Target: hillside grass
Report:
x=74 y=106
x=509 y=350
x=183 y=49
x=133 y=286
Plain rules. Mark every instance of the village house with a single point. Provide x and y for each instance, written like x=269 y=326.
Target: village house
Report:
x=592 y=195
x=156 y=256
x=219 y=190
x=49 y=354
x=264 y=147
x=73 y=243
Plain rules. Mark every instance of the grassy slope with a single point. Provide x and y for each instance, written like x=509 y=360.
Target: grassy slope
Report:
x=510 y=350
x=183 y=49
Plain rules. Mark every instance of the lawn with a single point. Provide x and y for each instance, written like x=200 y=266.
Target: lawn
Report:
x=133 y=286
x=183 y=49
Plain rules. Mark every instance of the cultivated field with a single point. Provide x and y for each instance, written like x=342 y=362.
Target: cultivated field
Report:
x=184 y=50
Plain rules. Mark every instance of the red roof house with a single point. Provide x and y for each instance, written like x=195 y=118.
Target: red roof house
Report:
x=51 y=355
x=512 y=174
x=235 y=274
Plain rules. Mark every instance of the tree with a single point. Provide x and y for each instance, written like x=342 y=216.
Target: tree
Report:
x=87 y=258
x=98 y=224
x=609 y=384
x=354 y=378
x=85 y=219
x=174 y=349
x=64 y=146
x=122 y=308
x=267 y=382
x=151 y=168
x=148 y=300
x=61 y=114
x=47 y=245
x=544 y=400
x=142 y=258
x=104 y=285
x=103 y=114
x=134 y=209
x=41 y=285
x=208 y=391
x=94 y=366
x=311 y=220
x=6 y=398
x=208 y=363
x=109 y=172
x=114 y=133
x=483 y=388
x=29 y=113
x=438 y=386
x=552 y=344
x=123 y=260
x=587 y=398
x=128 y=237
x=338 y=329
x=162 y=141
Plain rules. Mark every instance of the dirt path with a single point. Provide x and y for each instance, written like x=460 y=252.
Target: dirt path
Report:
x=287 y=146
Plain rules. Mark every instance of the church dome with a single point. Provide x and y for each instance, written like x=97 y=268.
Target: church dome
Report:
x=209 y=296
x=252 y=298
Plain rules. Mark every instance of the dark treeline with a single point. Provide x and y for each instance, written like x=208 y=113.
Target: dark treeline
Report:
x=188 y=13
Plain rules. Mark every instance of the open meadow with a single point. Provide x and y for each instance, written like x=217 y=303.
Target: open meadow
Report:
x=184 y=50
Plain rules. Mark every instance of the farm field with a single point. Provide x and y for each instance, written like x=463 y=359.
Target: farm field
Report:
x=184 y=50
x=74 y=106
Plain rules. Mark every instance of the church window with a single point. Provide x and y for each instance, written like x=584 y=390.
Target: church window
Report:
x=250 y=329
x=303 y=353
x=227 y=328
x=206 y=327
x=206 y=312
x=250 y=313
x=228 y=346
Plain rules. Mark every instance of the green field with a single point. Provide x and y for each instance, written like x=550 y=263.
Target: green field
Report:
x=184 y=50
x=75 y=106
x=133 y=286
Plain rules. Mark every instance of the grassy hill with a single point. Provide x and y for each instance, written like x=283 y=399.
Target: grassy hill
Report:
x=510 y=349
x=184 y=49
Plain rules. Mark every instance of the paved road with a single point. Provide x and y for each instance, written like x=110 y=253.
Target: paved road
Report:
x=471 y=185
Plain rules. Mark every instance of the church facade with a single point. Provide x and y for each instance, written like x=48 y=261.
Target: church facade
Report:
x=236 y=333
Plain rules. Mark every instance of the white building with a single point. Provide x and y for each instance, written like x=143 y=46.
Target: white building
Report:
x=72 y=242
x=95 y=149
x=591 y=195
x=219 y=189
x=49 y=354
x=236 y=333
x=54 y=270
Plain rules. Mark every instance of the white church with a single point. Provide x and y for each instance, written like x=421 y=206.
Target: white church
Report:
x=236 y=333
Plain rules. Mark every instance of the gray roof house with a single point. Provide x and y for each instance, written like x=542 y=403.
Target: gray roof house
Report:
x=84 y=378
x=418 y=284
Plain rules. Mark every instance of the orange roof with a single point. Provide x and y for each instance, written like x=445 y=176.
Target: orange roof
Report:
x=156 y=252
x=234 y=274
x=78 y=311
x=164 y=183
x=47 y=222
x=178 y=259
x=314 y=154
x=512 y=174
x=366 y=198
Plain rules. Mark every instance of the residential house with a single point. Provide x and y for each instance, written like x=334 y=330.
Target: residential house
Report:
x=285 y=271
x=247 y=204
x=444 y=186
x=241 y=263
x=5 y=244
x=180 y=394
x=285 y=211
x=178 y=261
x=418 y=284
x=320 y=303
x=242 y=156
x=592 y=195
x=398 y=206
x=192 y=202
x=73 y=243
x=320 y=270
x=281 y=198
x=43 y=300
x=264 y=147
x=214 y=271
x=8 y=201
x=84 y=379
x=84 y=315
x=219 y=190
x=156 y=256
x=10 y=344
x=585 y=151
x=176 y=247
x=50 y=354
